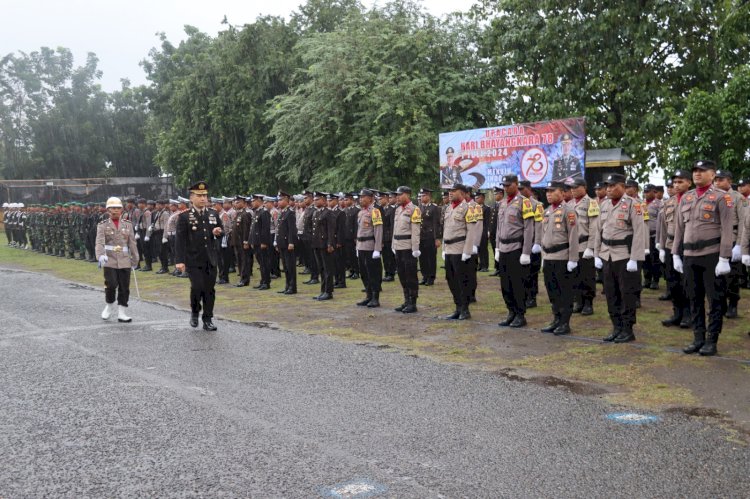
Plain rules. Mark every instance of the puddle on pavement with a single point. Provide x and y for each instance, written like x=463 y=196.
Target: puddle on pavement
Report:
x=552 y=381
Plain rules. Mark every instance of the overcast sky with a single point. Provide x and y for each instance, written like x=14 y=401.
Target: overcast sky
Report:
x=121 y=33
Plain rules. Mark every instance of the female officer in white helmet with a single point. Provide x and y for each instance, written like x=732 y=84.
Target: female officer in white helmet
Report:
x=117 y=253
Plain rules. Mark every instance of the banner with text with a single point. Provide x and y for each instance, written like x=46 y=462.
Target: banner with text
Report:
x=539 y=152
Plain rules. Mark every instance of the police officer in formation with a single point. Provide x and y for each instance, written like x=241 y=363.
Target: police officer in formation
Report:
x=369 y=248
x=584 y=276
x=429 y=237
x=285 y=243
x=323 y=242
x=405 y=246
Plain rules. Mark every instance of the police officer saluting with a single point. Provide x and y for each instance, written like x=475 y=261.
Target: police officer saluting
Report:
x=196 y=250
x=117 y=253
x=560 y=253
x=406 y=228
x=704 y=239
x=618 y=248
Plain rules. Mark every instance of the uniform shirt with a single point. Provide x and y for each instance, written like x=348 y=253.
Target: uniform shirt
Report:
x=171 y=229
x=195 y=244
x=407 y=223
x=745 y=242
x=646 y=220
x=260 y=228
x=587 y=220
x=653 y=208
x=704 y=224
x=307 y=228
x=286 y=232
x=118 y=243
x=369 y=229
x=300 y=220
x=323 y=226
x=241 y=228
x=515 y=225
x=622 y=231
x=388 y=218
x=457 y=222
x=538 y=208
x=144 y=220
x=560 y=233
x=161 y=220
x=666 y=223
x=430 y=227
x=738 y=213
x=476 y=229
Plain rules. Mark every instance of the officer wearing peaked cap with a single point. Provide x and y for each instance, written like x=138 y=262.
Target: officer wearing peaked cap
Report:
x=406 y=230
x=199 y=231
x=723 y=181
x=286 y=238
x=369 y=247
x=261 y=240
x=584 y=276
x=323 y=242
x=458 y=225
x=429 y=237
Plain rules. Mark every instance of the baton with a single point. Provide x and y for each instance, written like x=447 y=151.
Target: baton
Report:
x=135 y=278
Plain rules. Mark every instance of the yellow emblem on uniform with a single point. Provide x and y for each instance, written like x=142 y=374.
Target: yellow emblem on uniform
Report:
x=470 y=218
x=117 y=249
x=527 y=211
x=539 y=215
x=377 y=218
x=478 y=214
x=593 y=208
x=416 y=216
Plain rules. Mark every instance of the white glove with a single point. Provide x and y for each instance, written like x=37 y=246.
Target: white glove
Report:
x=474 y=250
x=416 y=254
x=536 y=249
x=588 y=254
x=746 y=260
x=525 y=259
x=658 y=246
x=736 y=253
x=147 y=239
x=393 y=249
x=357 y=252
x=632 y=266
x=465 y=257
x=443 y=255
x=497 y=254
x=375 y=255
x=274 y=243
x=137 y=236
x=164 y=241
x=572 y=266
x=662 y=255
x=103 y=259
x=598 y=263
x=646 y=252
x=677 y=263
x=723 y=268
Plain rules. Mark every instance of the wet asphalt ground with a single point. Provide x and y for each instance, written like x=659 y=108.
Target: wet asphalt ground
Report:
x=155 y=408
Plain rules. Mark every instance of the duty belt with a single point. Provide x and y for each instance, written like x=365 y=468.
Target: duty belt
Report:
x=116 y=249
x=583 y=239
x=618 y=242
x=367 y=238
x=556 y=248
x=512 y=240
x=456 y=240
x=701 y=244
x=402 y=237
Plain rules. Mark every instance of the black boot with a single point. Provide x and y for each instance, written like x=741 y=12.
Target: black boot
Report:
x=686 y=321
x=674 y=320
x=208 y=324
x=666 y=296
x=411 y=305
x=616 y=330
x=455 y=315
x=465 y=314
x=588 y=308
x=562 y=329
x=194 y=320
x=519 y=321
x=375 y=302
x=709 y=348
x=552 y=326
x=508 y=320
x=731 y=311
x=699 y=339
x=578 y=306
x=401 y=307
x=367 y=299
x=626 y=335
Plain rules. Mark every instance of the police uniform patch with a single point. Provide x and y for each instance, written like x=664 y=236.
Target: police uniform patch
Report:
x=571 y=218
x=416 y=216
x=638 y=209
x=593 y=210
x=707 y=216
x=539 y=213
x=377 y=218
x=728 y=200
x=527 y=211
x=470 y=217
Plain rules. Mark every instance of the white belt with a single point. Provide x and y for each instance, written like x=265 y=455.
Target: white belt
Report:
x=116 y=249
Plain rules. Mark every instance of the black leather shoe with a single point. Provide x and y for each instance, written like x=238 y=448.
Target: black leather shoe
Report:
x=258 y=286
x=577 y=308
x=400 y=308
x=305 y=272
x=531 y=303
x=339 y=286
x=654 y=285
x=423 y=282
x=282 y=292
x=508 y=320
x=325 y=296
x=587 y=310
x=708 y=349
x=614 y=334
x=553 y=325
x=675 y=320
x=465 y=314
x=364 y=302
x=483 y=269
x=312 y=281
x=290 y=292
x=731 y=312
x=562 y=329
x=685 y=322
x=625 y=336
x=162 y=271
x=495 y=273
x=409 y=309
x=519 y=321
x=665 y=297
x=223 y=281
x=699 y=339
x=354 y=276
x=194 y=320
x=452 y=317
x=263 y=287
x=388 y=278
x=241 y=284
x=208 y=325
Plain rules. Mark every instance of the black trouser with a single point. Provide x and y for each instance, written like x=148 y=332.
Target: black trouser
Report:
x=652 y=264
x=457 y=275
x=371 y=271
x=675 y=286
x=701 y=283
x=312 y=261
x=389 y=259
x=202 y=290
x=158 y=249
x=428 y=258
x=241 y=263
x=621 y=288
x=340 y=266
x=584 y=280
x=484 y=254
x=513 y=281
x=472 y=276
x=263 y=256
x=172 y=241
x=290 y=268
x=350 y=254
x=559 y=284
x=144 y=250
x=406 y=266
x=275 y=261
x=531 y=280
x=733 y=283
x=225 y=260
x=327 y=266
x=492 y=239
x=117 y=282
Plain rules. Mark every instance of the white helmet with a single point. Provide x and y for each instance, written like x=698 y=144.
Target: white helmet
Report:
x=114 y=202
